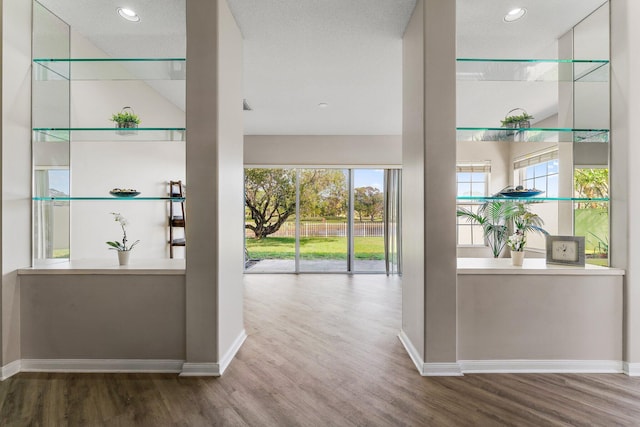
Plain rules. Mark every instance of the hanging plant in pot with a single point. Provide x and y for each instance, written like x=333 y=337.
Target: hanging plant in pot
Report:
x=126 y=119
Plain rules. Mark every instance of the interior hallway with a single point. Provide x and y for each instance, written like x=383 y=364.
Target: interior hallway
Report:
x=322 y=350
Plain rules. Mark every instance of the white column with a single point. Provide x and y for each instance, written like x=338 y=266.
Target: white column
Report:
x=625 y=158
x=429 y=206
x=16 y=170
x=215 y=198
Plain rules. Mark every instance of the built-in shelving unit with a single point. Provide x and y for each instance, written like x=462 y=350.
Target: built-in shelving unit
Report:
x=532 y=70
x=93 y=198
x=533 y=199
x=532 y=134
x=75 y=90
x=83 y=69
x=578 y=131
x=108 y=134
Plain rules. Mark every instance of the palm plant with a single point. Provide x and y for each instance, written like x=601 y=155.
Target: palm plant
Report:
x=497 y=217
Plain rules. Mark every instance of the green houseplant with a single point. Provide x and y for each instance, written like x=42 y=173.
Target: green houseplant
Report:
x=517 y=121
x=498 y=217
x=126 y=118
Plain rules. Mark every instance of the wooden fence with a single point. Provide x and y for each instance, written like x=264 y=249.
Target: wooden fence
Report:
x=327 y=229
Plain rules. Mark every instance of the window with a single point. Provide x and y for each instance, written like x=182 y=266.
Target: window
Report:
x=473 y=181
x=539 y=171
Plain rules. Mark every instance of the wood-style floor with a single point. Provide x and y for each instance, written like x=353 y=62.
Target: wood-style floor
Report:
x=322 y=351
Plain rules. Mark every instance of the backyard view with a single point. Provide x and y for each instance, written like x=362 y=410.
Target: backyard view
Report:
x=320 y=197
x=592 y=218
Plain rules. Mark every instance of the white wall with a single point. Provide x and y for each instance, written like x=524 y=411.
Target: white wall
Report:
x=230 y=183
x=98 y=167
x=413 y=291
x=322 y=150
x=16 y=161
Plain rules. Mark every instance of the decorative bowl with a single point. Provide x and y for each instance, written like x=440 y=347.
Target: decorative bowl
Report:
x=124 y=192
x=521 y=193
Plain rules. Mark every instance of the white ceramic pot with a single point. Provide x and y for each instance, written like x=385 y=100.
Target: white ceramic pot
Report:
x=517 y=258
x=123 y=257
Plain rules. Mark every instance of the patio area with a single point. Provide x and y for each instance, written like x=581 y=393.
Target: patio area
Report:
x=319 y=266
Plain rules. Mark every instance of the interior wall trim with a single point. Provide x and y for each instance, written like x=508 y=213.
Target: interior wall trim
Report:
x=214 y=369
x=101 y=365
x=632 y=369
x=441 y=370
x=225 y=361
x=200 y=370
x=542 y=366
x=413 y=352
x=10 y=369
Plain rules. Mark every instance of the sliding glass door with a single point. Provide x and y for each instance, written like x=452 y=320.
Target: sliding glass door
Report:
x=368 y=221
x=322 y=220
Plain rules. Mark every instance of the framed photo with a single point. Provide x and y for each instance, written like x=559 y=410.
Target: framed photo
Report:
x=565 y=250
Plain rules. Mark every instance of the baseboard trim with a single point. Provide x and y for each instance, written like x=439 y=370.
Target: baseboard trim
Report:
x=632 y=369
x=200 y=370
x=428 y=369
x=233 y=350
x=413 y=352
x=101 y=365
x=10 y=369
x=214 y=369
x=442 y=370
x=541 y=366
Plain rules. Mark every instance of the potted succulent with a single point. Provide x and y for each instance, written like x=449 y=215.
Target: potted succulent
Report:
x=126 y=119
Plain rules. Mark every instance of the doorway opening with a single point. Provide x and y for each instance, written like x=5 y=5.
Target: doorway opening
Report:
x=321 y=220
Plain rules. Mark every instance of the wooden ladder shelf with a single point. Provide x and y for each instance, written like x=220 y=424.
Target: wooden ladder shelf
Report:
x=177 y=219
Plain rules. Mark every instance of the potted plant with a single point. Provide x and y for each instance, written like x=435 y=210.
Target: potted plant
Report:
x=126 y=119
x=497 y=217
x=122 y=247
x=517 y=121
x=516 y=242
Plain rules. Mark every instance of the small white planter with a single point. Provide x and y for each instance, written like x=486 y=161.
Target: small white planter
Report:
x=517 y=258
x=123 y=257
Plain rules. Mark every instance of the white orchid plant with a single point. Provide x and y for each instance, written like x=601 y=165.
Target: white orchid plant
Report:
x=517 y=241
x=122 y=246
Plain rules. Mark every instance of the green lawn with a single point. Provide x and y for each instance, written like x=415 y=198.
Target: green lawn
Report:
x=366 y=248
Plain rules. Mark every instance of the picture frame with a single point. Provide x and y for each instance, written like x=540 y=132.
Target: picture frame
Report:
x=566 y=250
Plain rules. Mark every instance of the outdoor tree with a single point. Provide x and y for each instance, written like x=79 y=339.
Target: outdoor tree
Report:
x=323 y=193
x=591 y=183
x=368 y=202
x=270 y=197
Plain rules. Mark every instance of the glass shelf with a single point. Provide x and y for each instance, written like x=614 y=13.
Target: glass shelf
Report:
x=107 y=134
x=111 y=198
x=532 y=134
x=533 y=199
x=109 y=69
x=532 y=70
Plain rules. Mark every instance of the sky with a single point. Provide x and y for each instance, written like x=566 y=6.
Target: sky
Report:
x=369 y=178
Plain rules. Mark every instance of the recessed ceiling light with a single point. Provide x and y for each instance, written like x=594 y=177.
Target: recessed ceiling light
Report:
x=323 y=105
x=128 y=14
x=515 y=14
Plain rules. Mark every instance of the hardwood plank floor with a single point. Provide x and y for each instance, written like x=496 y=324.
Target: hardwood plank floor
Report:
x=322 y=351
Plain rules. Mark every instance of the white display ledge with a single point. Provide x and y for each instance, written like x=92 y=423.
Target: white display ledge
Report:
x=103 y=266
x=533 y=266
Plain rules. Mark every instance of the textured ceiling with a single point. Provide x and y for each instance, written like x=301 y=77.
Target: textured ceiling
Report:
x=299 y=53
x=347 y=53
